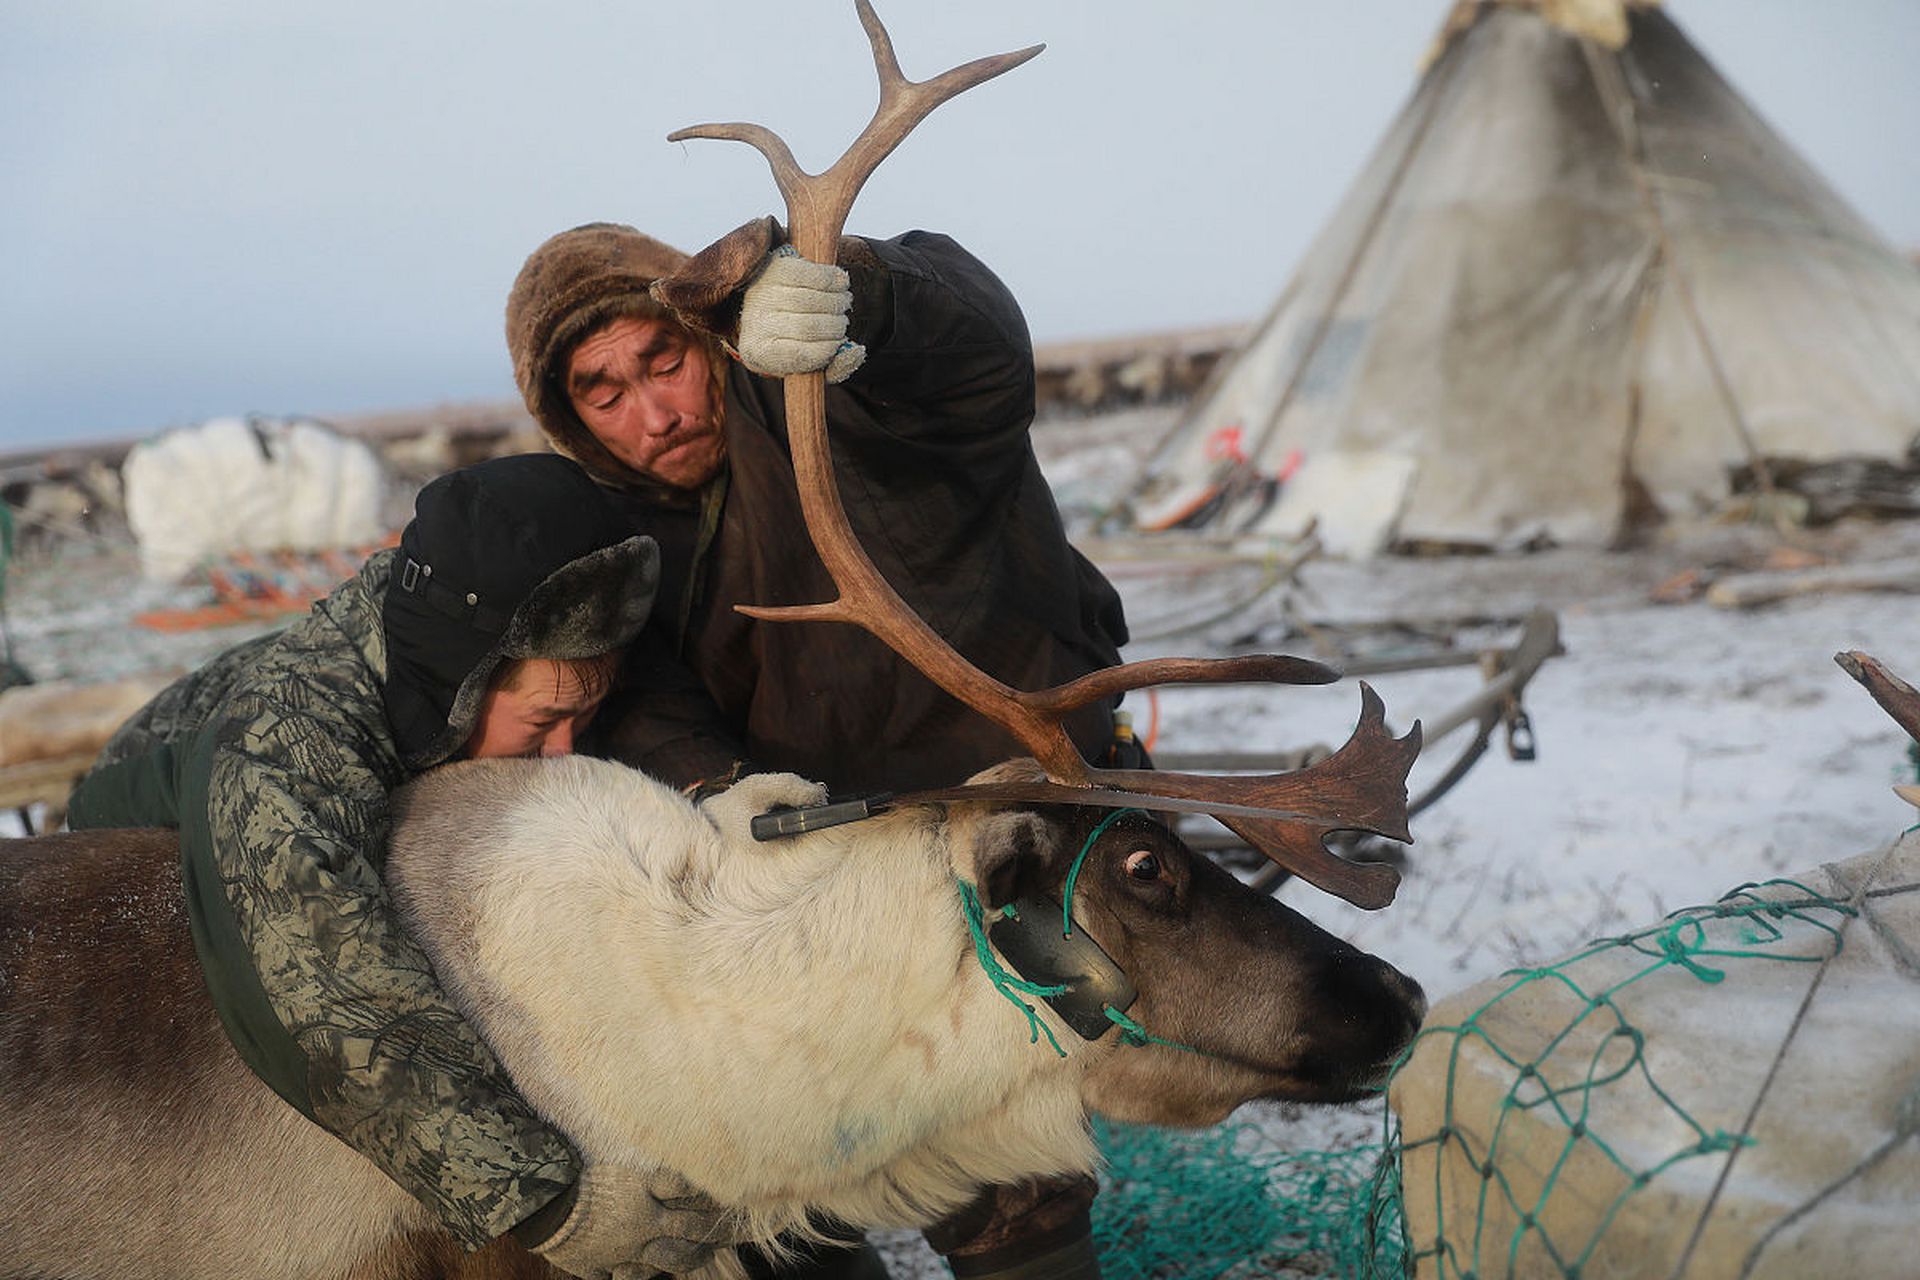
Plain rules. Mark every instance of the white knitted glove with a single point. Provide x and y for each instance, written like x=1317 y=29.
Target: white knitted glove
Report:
x=793 y=319
x=734 y=809
x=632 y=1224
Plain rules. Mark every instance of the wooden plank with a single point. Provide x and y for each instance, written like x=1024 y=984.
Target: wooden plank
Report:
x=43 y=781
x=61 y=718
x=1746 y=590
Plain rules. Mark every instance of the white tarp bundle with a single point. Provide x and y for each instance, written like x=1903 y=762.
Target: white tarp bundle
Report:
x=1574 y=287
x=263 y=484
x=1730 y=1094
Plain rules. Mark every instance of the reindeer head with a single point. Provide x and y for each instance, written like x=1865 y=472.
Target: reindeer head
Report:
x=1114 y=907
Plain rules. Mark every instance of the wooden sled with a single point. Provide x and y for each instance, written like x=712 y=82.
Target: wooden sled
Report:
x=1496 y=705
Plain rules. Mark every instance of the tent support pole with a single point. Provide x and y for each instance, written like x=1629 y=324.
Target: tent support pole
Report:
x=1323 y=324
x=1618 y=102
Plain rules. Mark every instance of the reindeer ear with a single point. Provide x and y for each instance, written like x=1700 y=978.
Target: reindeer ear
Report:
x=1010 y=853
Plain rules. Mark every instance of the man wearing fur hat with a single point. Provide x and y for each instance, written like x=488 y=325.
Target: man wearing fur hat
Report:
x=660 y=374
x=492 y=630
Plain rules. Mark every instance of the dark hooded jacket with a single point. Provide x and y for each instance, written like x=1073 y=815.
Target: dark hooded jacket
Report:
x=275 y=762
x=940 y=485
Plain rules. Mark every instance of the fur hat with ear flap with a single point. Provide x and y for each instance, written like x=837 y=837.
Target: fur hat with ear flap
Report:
x=518 y=557
x=581 y=279
x=570 y=286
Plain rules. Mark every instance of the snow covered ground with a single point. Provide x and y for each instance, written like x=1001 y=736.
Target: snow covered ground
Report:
x=1682 y=749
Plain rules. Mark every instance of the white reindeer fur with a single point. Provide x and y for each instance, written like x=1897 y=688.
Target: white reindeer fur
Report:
x=793 y=1025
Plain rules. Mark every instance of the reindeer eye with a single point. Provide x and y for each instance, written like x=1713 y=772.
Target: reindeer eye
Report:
x=1143 y=865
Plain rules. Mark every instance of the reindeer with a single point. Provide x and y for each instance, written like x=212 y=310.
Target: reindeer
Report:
x=822 y=1024
x=799 y=1025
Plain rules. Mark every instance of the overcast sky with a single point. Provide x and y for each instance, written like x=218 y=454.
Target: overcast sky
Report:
x=224 y=206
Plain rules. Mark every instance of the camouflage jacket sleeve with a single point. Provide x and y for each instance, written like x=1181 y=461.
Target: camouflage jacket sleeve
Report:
x=297 y=770
x=133 y=782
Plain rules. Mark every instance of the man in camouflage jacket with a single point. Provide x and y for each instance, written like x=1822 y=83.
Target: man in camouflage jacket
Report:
x=275 y=762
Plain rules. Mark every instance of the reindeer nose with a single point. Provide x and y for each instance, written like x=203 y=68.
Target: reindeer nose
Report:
x=1409 y=991
x=1384 y=1005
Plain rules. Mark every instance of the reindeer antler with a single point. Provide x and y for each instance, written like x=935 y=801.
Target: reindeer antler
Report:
x=1355 y=789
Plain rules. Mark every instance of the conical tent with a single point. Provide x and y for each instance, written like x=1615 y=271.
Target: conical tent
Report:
x=1579 y=283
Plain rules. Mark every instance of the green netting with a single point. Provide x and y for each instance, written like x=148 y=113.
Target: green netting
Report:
x=1228 y=1202
x=1702 y=942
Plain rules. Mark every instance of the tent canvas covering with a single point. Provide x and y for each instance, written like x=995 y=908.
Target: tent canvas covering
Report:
x=1574 y=287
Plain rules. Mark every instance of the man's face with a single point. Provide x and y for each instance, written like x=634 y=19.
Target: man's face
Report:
x=644 y=387
x=539 y=706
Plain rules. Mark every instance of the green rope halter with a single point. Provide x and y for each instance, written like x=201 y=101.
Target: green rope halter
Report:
x=1134 y=1034
x=1004 y=981
x=1073 y=872
x=1008 y=983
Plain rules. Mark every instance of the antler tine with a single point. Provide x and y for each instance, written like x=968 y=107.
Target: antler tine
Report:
x=1267 y=668
x=884 y=60
x=903 y=104
x=1361 y=787
x=788 y=176
x=956 y=81
x=818 y=204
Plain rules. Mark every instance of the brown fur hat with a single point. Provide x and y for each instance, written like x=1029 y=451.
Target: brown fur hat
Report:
x=569 y=286
x=580 y=279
